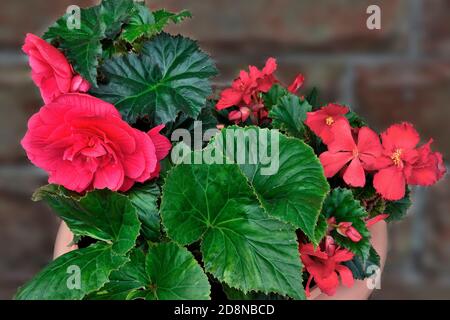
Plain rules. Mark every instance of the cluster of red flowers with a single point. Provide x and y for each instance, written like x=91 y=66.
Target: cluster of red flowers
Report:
x=82 y=141
x=245 y=93
x=396 y=161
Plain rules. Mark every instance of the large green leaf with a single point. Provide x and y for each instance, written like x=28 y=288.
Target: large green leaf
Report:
x=168 y=272
x=82 y=46
x=73 y=275
x=289 y=114
x=295 y=187
x=341 y=205
x=102 y=215
x=144 y=198
x=171 y=75
x=241 y=245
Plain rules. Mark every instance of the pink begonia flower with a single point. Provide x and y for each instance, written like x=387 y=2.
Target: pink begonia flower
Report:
x=50 y=70
x=83 y=144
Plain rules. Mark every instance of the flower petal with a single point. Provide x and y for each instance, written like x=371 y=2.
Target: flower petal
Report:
x=333 y=162
x=346 y=275
x=354 y=174
x=390 y=183
x=162 y=144
x=400 y=136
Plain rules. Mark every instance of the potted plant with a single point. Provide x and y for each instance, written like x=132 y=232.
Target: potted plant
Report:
x=168 y=191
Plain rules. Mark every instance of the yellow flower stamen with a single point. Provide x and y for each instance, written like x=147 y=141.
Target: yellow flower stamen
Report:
x=396 y=157
x=329 y=121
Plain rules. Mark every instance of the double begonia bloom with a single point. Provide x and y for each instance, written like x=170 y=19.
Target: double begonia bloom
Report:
x=354 y=157
x=402 y=163
x=322 y=121
x=324 y=266
x=246 y=87
x=50 y=70
x=83 y=144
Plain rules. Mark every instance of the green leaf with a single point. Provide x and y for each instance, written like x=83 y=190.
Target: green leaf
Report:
x=168 y=272
x=129 y=280
x=274 y=95
x=372 y=202
x=397 y=210
x=115 y=13
x=234 y=294
x=320 y=230
x=58 y=281
x=294 y=188
x=175 y=274
x=164 y=17
x=170 y=76
x=102 y=215
x=241 y=245
x=144 y=198
x=289 y=114
x=355 y=120
x=82 y=46
x=144 y=23
x=341 y=205
x=313 y=99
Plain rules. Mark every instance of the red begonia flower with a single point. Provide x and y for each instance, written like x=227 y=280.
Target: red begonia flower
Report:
x=50 y=70
x=324 y=266
x=83 y=143
x=244 y=89
x=402 y=163
x=343 y=150
x=322 y=121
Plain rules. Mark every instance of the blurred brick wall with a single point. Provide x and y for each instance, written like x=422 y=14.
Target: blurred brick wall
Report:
x=401 y=72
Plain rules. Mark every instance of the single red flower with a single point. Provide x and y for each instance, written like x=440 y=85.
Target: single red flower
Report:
x=360 y=156
x=50 y=70
x=321 y=121
x=402 y=163
x=298 y=82
x=324 y=266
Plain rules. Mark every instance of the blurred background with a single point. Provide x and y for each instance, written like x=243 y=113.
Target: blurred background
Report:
x=401 y=72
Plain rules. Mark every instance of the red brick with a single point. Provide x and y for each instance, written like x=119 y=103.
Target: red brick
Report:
x=20 y=99
x=437 y=27
x=415 y=92
x=19 y=17
x=301 y=25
